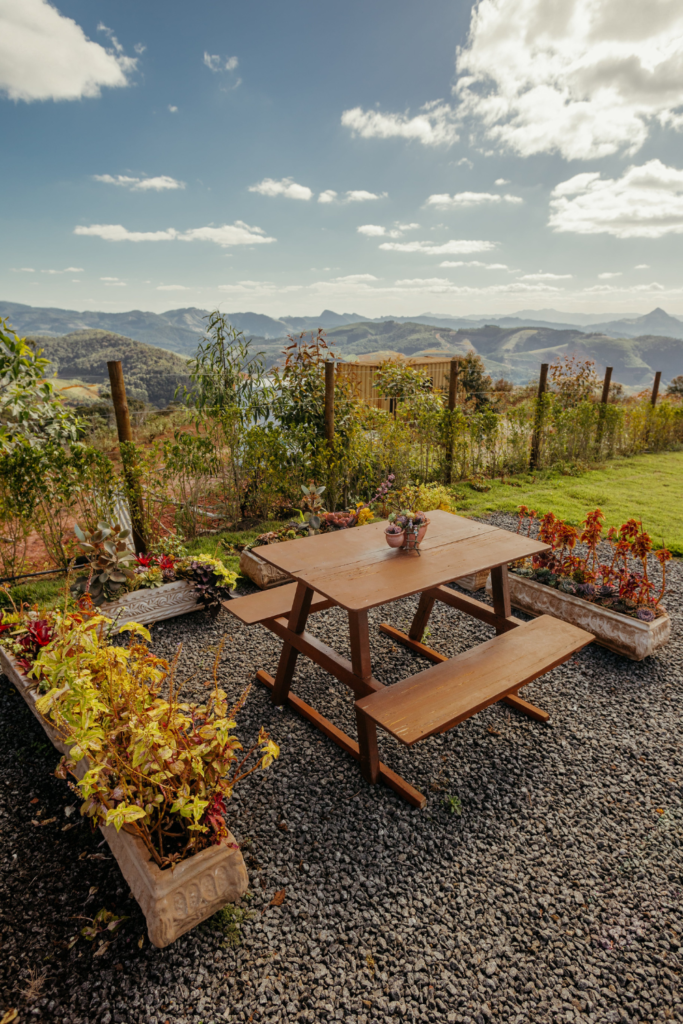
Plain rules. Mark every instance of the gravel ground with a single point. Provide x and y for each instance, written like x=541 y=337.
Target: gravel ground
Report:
x=554 y=896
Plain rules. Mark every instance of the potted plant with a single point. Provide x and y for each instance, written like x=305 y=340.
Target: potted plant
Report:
x=148 y=588
x=406 y=530
x=155 y=772
x=614 y=599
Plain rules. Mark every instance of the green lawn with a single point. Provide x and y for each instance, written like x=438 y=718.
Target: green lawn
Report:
x=645 y=487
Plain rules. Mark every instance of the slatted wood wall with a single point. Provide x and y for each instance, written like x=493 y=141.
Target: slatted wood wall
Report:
x=363 y=374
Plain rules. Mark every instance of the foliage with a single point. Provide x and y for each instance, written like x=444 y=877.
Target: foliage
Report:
x=30 y=411
x=574 y=380
x=675 y=386
x=616 y=584
x=406 y=521
x=156 y=766
x=428 y=497
x=474 y=380
x=109 y=559
x=399 y=381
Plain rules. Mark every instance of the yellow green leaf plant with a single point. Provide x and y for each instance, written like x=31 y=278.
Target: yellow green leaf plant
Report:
x=144 y=760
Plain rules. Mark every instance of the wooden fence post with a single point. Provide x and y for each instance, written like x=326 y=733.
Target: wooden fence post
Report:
x=452 y=401
x=538 y=424
x=655 y=388
x=329 y=401
x=603 y=405
x=123 y=427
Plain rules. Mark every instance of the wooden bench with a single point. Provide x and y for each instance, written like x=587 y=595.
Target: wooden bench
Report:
x=440 y=697
x=270 y=604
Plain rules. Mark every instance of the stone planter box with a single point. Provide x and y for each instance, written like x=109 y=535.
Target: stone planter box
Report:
x=146 y=606
x=262 y=574
x=619 y=633
x=175 y=899
x=475 y=581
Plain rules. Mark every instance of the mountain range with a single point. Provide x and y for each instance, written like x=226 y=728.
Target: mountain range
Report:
x=511 y=346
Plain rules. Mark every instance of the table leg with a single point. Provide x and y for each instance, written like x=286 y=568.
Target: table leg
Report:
x=424 y=610
x=360 y=661
x=297 y=623
x=500 y=592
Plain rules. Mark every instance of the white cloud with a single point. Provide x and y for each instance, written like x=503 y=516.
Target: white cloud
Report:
x=67 y=270
x=584 y=78
x=408 y=227
x=173 y=110
x=446 y=248
x=646 y=202
x=445 y=201
x=286 y=187
x=501 y=181
x=139 y=49
x=361 y=196
x=607 y=275
x=328 y=196
x=238 y=233
x=474 y=263
x=46 y=56
x=377 y=231
x=161 y=183
x=433 y=126
x=355 y=278
x=642 y=266
x=545 y=277
x=215 y=63
x=173 y=288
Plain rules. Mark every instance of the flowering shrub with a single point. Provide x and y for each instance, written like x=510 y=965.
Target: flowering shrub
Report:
x=621 y=584
x=157 y=766
x=207 y=576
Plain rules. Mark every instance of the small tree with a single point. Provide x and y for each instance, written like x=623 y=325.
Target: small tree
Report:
x=398 y=382
x=574 y=380
x=31 y=413
x=475 y=381
x=675 y=386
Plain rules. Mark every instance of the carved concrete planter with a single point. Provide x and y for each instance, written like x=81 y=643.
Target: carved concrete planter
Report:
x=173 y=900
x=620 y=633
x=475 y=581
x=153 y=605
x=262 y=574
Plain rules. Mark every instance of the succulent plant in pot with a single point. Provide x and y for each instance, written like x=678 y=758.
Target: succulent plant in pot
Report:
x=109 y=560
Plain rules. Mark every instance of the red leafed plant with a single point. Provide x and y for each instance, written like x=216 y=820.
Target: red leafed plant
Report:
x=622 y=583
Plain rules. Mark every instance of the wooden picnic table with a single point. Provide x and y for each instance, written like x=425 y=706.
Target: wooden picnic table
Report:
x=356 y=570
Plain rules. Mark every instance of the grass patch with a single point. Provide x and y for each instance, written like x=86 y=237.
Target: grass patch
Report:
x=223 y=545
x=228 y=921
x=44 y=593
x=646 y=487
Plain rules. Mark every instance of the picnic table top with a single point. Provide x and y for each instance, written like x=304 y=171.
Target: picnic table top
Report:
x=358 y=570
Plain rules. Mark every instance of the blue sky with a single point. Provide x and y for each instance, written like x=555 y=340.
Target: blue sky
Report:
x=378 y=156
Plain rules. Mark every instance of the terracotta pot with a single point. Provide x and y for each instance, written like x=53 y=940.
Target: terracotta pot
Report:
x=395 y=540
x=175 y=899
x=619 y=633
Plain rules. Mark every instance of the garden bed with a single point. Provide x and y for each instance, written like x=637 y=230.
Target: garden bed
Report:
x=147 y=606
x=618 y=632
x=173 y=900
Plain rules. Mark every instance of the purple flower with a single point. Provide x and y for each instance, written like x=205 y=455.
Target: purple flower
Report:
x=391 y=478
x=645 y=614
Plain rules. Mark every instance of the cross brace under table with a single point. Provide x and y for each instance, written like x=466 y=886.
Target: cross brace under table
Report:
x=357 y=674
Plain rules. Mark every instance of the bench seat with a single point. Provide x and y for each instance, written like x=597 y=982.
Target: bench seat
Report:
x=442 y=696
x=270 y=604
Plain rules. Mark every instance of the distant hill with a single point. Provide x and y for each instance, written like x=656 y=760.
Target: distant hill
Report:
x=512 y=346
x=515 y=352
x=655 y=323
x=151 y=374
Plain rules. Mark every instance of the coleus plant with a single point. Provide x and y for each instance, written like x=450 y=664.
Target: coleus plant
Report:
x=622 y=583
x=157 y=766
